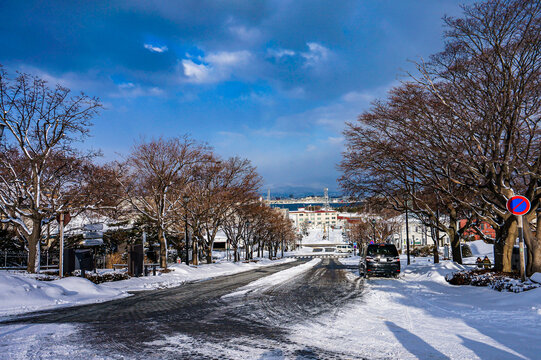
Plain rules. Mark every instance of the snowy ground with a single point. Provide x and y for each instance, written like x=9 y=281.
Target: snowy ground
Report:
x=422 y=316
x=319 y=310
x=21 y=292
x=315 y=236
x=274 y=279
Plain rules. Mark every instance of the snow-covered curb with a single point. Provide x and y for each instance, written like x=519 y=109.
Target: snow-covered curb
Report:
x=21 y=292
x=271 y=280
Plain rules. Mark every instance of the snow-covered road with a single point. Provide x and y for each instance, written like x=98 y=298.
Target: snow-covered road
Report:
x=306 y=310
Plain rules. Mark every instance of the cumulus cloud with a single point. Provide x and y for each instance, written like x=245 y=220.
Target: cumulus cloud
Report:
x=215 y=67
x=316 y=54
x=156 y=49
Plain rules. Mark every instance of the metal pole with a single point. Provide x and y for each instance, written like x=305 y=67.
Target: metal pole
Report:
x=407 y=235
x=187 y=239
x=521 y=248
x=61 y=257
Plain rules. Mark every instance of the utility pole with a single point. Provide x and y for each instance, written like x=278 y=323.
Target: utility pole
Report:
x=407 y=234
x=61 y=235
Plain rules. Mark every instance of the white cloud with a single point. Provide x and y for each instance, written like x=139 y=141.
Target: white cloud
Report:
x=280 y=53
x=247 y=35
x=196 y=73
x=156 y=49
x=215 y=67
x=316 y=54
x=131 y=90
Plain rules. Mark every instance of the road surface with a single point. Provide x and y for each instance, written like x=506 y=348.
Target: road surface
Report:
x=195 y=320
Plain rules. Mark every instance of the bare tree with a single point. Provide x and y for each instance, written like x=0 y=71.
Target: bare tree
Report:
x=39 y=169
x=463 y=136
x=154 y=178
x=219 y=187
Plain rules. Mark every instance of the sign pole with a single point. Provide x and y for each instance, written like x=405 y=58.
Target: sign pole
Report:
x=521 y=248
x=518 y=206
x=61 y=262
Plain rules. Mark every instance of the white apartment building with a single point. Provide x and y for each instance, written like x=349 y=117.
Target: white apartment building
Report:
x=314 y=219
x=419 y=234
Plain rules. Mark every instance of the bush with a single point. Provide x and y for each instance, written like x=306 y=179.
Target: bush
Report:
x=466 y=250
x=423 y=251
x=495 y=280
x=110 y=276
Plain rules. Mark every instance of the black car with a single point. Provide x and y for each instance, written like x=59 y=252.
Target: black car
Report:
x=379 y=259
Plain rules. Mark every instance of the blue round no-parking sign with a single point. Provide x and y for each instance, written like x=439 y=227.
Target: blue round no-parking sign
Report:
x=518 y=205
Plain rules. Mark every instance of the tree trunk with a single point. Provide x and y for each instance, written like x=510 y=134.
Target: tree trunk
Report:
x=270 y=251
x=455 y=237
x=508 y=246
x=34 y=248
x=436 y=254
x=195 y=253
x=534 y=246
x=209 y=254
x=235 y=253
x=163 y=248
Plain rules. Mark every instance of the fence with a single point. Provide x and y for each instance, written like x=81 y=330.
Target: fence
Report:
x=19 y=260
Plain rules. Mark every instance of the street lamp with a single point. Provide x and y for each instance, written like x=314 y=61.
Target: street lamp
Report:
x=374 y=228
x=246 y=240
x=407 y=228
x=186 y=198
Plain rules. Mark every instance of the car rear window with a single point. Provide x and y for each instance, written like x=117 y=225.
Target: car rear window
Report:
x=382 y=250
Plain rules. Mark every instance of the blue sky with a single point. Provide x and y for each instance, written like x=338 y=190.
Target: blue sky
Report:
x=271 y=81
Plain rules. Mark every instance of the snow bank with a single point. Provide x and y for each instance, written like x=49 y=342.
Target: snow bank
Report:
x=536 y=278
x=315 y=236
x=20 y=292
x=480 y=248
x=275 y=279
x=181 y=273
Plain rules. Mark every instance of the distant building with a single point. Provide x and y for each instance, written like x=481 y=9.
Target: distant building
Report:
x=471 y=234
x=419 y=234
x=314 y=219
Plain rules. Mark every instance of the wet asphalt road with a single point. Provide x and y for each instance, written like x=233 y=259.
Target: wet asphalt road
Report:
x=195 y=320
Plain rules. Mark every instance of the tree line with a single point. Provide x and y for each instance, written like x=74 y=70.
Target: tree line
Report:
x=460 y=135
x=177 y=186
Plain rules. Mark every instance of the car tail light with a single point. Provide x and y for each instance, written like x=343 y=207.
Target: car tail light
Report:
x=397 y=258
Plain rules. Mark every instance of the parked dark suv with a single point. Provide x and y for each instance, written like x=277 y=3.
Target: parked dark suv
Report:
x=379 y=259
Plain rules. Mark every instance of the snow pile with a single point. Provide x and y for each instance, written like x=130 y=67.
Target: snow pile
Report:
x=481 y=248
x=181 y=273
x=536 y=278
x=20 y=292
x=315 y=236
x=275 y=279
